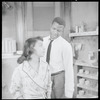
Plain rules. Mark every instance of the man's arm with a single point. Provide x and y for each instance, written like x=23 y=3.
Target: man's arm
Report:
x=69 y=72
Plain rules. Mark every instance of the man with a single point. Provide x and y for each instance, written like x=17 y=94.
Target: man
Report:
x=60 y=61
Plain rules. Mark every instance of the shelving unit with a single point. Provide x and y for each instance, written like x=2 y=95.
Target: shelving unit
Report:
x=84 y=34
x=87 y=96
x=88 y=76
x=87 y=87
x=86 y=84
x=8 y=56
x=92 y=77
x=82 y=63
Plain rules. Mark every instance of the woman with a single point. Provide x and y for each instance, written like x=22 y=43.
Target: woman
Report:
x=31 y=79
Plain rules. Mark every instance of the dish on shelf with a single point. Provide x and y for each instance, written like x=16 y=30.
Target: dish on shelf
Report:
x=86 y=72
x=90 y=76
x=83 y=63
x=87 y=83
x=81 y=71
x=87 y=87
x=81 y=92
x=81 y=81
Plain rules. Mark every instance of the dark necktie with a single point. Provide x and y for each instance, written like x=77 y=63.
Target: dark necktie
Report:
x=48 y=51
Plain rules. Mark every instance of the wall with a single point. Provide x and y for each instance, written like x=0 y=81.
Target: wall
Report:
x=8 y=66
x=84 y=12
x=43 y=17
x=89 y=43
x=8 y=23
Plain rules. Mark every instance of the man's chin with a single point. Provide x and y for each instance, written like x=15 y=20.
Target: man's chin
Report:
x=54 y=37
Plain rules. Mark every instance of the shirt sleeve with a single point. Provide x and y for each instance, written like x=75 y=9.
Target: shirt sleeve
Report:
x=69 y=73
x=15 y=88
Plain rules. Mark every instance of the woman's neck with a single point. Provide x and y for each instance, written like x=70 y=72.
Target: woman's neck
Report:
x=35 y=59
x=34 y=62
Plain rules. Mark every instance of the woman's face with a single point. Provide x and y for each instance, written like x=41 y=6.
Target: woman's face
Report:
x=39 y=49
x=56 y=30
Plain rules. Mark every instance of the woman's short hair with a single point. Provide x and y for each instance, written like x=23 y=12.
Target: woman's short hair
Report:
x=59 y=20
x=28 y=49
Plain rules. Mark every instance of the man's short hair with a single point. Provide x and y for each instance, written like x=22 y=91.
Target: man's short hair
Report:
x=59 y=20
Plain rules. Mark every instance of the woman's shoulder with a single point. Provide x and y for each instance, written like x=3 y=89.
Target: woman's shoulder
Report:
x=17 y=71
x=19 y=67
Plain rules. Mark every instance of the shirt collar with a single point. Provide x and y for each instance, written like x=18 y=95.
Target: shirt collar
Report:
x=54 y=39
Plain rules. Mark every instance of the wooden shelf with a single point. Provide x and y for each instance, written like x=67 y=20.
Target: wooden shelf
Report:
x=92 y=66
x=81 y=63
x=87 y=87
x=88 y=76
x=8 y=56
x=91 y=33
x=87 y=96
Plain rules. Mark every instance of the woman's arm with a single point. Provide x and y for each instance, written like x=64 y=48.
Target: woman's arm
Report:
x=15 y=88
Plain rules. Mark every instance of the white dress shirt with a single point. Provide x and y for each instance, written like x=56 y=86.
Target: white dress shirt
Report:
x=61 y=58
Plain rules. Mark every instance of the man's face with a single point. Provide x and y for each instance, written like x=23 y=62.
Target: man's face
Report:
x=56 y=30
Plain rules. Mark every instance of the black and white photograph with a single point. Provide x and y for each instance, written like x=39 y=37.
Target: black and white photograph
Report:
x=50 y=50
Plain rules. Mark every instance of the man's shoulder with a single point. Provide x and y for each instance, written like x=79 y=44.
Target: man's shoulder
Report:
x=64 y=41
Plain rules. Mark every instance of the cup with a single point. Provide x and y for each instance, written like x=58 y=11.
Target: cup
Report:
x=87 y=82
x=86 y=72
x=81 y=92
x=81 y=81
x=77 y=29
x=81 y=71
